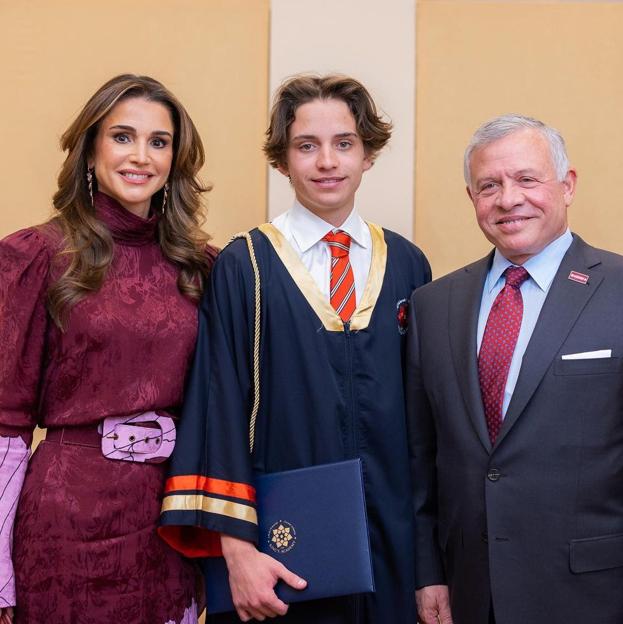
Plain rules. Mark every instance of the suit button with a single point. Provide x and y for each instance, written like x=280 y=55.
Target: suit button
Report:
x=494 y=474
x=484 y=537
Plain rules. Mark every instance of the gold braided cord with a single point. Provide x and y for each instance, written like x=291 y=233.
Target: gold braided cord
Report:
x=256 y=339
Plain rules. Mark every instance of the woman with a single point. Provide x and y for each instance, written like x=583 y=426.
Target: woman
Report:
x=97 y=325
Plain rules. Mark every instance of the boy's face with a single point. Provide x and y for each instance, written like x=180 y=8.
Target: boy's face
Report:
x=325 y=159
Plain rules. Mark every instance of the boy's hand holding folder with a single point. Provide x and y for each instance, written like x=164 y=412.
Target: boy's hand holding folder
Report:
x=252 y=578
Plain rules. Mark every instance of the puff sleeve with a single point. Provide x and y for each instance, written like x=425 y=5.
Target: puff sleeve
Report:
x=24 y=269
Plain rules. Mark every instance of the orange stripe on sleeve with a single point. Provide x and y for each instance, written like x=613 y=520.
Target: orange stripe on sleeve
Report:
x=213 y=486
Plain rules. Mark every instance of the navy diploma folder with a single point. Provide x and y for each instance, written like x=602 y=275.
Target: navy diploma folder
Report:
x=313 y=520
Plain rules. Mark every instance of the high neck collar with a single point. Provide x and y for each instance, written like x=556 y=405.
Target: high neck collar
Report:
x=126 y=227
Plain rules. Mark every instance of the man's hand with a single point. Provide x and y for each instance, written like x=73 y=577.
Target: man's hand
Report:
x=433 y=605
x=6 y=615
x=252 y=578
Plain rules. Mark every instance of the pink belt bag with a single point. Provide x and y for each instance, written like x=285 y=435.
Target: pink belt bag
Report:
x=146 y=437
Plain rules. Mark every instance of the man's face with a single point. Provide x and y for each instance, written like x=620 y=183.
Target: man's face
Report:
x=520 y=205
x=325 y=159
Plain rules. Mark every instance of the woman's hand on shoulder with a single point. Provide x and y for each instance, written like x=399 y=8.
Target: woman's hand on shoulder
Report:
x=6 y=615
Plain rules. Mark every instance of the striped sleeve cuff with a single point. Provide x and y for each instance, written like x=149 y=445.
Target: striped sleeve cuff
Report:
x=196 y=508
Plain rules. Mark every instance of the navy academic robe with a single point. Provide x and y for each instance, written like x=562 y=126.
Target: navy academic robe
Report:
x=329 y=391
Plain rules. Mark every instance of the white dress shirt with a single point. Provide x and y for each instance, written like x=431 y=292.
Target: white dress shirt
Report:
x=304 y=231
x=542 y=269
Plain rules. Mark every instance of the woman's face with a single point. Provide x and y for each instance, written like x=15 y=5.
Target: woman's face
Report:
x=133 y=152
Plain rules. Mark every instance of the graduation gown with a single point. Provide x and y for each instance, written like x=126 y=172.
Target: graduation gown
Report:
x=330 y=391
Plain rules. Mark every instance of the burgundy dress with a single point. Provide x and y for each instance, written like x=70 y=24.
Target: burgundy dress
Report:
x=85 y=544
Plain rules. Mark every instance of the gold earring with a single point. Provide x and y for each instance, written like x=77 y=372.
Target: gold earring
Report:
x=164 y=196
x=90 y=172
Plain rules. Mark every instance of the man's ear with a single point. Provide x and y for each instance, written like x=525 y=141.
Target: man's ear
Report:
x=283 y=168
x=368 y=161
x=569 y=183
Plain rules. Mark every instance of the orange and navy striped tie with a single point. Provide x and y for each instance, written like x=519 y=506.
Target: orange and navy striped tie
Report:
x=342 y=284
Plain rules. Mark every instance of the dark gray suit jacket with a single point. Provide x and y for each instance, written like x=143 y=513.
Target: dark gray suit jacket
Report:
x=533 y=525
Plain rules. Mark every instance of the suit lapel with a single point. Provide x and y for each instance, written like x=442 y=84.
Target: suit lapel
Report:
x=563 y=305
x=464 y=307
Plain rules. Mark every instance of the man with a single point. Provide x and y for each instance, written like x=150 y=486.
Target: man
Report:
x=334 y=298
x=515 y=401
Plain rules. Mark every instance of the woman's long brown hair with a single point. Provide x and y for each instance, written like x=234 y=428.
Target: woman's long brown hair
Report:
x=88 y=244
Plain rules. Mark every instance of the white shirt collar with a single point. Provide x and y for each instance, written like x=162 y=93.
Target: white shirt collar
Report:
x=542 y=267
x=307 y=228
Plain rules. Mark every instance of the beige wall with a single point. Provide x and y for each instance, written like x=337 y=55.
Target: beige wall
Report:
x=559 y=61
x=212 y=54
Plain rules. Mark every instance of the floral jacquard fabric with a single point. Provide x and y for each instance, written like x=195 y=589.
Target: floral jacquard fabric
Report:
x=85 y=546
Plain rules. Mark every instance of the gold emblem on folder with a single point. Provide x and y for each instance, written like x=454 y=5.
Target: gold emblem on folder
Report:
x=281 y=536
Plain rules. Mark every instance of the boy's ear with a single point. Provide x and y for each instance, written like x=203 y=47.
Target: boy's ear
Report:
x=283 y=168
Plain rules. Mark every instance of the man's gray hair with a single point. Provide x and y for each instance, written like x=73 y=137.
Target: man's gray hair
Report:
x=502 y=126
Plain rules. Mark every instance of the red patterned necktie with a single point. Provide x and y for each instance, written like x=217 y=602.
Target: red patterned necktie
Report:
x=498 y=345
x=342 y=284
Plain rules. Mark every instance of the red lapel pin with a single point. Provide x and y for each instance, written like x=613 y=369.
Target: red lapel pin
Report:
x=580 y=278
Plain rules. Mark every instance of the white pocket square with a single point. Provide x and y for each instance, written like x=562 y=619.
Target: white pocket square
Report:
x=589 y=355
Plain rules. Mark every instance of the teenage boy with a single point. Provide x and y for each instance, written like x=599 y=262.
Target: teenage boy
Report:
x=334 y=297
